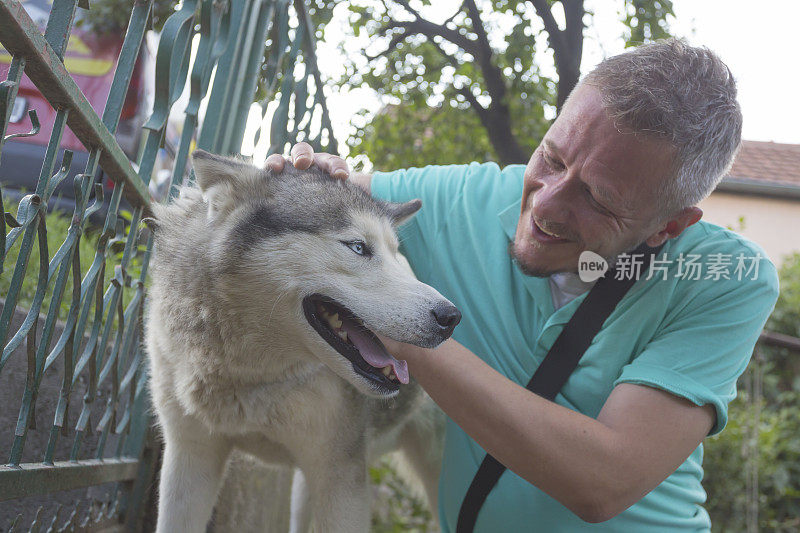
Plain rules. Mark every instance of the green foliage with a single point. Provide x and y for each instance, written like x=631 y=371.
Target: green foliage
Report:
x=777 y=451
x=403 y=136
x=396 y=509
x=111 y=16
x=646 y=20
x=425 y=75
x=786 y=317
x=449 y=135
x=320 y=12
x=775 y=445
x=432 y=121
x=782 y=366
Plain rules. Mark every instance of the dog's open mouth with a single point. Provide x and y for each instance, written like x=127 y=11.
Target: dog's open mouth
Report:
x=348 y=335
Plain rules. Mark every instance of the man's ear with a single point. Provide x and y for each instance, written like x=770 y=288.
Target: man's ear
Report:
x=401 y=213
x=218 y=176
x=675 y=226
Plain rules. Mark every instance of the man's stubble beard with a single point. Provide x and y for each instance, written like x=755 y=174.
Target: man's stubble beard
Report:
x=541 y=273
x=527 y=269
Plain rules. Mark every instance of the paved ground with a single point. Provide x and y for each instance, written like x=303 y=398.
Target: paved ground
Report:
x=12 y=387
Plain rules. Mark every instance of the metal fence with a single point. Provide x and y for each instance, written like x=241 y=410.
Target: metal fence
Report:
x=72 y=371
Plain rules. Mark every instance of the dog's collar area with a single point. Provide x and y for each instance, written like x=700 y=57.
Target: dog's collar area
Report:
x=345 y=333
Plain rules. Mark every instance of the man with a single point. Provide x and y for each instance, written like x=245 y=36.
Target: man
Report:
x=642 y=139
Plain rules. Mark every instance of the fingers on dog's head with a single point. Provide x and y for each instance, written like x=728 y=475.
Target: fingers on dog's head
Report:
x=276 y=162
x=337 y=167
x=302 y=155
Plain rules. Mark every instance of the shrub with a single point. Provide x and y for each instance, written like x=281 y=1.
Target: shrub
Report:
x=775 y=446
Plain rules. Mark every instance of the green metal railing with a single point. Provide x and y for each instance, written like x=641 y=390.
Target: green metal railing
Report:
x=221 y=49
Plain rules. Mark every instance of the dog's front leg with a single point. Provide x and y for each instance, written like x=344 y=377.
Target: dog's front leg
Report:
x=339 y=492
x=300 y=504
x=190 y=478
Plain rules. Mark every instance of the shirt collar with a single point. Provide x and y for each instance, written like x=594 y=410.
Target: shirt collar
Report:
x=570 y=283
x=538 y=288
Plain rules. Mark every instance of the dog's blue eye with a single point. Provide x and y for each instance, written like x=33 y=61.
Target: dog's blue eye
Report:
x=358 y=247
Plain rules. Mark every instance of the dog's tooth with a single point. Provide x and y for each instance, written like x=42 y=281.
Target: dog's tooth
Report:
x=342 y=335
x=335 y=321
x=387 y=371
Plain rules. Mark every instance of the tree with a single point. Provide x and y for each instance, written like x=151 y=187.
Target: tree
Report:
x=481 y=59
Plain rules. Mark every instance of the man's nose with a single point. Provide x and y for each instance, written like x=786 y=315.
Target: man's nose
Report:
x=447 y=316
x=552 y=200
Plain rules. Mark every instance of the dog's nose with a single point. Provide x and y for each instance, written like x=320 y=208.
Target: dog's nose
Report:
x=447 y=316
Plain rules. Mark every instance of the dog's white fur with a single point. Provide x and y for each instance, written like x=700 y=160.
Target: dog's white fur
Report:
x=236 y=365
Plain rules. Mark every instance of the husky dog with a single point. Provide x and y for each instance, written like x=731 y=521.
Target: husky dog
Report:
x=267 y=292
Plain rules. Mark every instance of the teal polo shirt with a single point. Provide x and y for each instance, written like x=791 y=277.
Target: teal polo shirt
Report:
x=690 y=337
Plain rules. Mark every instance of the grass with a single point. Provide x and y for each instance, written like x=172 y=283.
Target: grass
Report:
x=57 y=225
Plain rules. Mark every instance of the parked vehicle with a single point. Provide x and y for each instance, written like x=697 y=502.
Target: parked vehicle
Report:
x=91 y=60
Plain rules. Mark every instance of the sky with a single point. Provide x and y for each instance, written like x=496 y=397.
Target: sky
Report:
x=758 y=41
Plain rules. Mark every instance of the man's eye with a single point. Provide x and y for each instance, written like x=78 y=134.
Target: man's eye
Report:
x=552 y=163
x=358 y=247
x=597 y=205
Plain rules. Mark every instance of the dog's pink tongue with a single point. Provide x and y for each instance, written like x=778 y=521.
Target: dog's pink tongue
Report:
x=374 y=353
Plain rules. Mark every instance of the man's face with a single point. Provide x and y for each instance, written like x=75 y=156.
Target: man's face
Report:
x=588 y=187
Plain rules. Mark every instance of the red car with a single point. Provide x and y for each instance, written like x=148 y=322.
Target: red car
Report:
x=91 y=59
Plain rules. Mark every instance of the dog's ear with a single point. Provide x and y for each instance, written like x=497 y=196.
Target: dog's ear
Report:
x=218 y=178
x=401 y=213
x=211 y=170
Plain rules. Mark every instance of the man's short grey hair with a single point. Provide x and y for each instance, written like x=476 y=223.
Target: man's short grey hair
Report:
x=681 y=93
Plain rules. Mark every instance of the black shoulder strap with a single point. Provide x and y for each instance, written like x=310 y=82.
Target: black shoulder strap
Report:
x=559 y=363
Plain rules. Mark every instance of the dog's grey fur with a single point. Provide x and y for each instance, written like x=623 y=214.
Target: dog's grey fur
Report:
x=236 y=365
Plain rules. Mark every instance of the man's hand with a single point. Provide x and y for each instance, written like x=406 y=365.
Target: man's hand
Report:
x=303 y=156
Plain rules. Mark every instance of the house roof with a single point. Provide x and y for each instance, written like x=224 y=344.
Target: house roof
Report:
x=767 y=161
x=765 y=168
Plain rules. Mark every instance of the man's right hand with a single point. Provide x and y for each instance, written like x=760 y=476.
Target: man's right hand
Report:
x=303 y=156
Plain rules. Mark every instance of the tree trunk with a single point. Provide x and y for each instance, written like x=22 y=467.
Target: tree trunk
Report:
x=568 y=77
x=497 y=122
x=570 y=52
